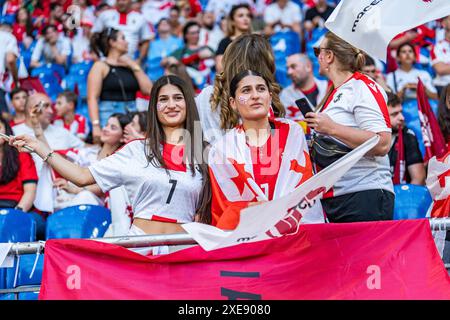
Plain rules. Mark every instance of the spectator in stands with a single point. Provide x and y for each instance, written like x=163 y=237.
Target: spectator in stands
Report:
x=409 y=168
x=197 y=59
x=86 y=8
x=81 y=43
x=174 y=21
x=239 y=21
x=191 y=54
x=76 y=124
x=441 y=58
x=354 y=111
x=114 y=81
x=304 y=85
x=282 y=15
x=136 y=128
x=162 y=46
x=444 y=114
x=210 y=33
x=19 y=98
x=160 y=204
x=56 y=16
x=370 y=69
x=9 y=52
x=316 y=16
x=257 y=142
x=111 y=139
x=53 y=47
x=403 y=81
x=23 y=27
x=18 y=177
x=222 y=8
x=247 y=52
x=131 y=23
x=39 y=115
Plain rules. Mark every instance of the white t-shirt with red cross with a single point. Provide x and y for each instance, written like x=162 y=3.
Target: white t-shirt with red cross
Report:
x=441 y=53
x=361 y=103
x=170 y=195
x=132 y=24
x=78 y=127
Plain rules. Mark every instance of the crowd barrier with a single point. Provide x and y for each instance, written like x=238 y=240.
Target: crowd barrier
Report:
x=17 y=249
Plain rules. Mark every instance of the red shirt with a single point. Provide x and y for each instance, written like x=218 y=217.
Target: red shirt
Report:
x=26 y=174
x=267 y=159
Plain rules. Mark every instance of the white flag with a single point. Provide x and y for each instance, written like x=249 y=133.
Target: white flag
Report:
x=281 y=216
x=371 y=24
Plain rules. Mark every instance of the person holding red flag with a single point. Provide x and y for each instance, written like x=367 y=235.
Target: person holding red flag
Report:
x=260 y=159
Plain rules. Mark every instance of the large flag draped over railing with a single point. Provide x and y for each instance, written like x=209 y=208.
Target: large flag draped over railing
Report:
x=438 y=182
x=369 y=260
x=371 y=24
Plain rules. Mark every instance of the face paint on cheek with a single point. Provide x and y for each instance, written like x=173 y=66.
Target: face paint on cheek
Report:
x=161 y=106
x=242 y=100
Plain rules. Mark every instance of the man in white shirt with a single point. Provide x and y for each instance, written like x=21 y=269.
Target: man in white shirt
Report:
x=282 y=15
x=304 y=85
x=221 y=8
x=441 y=57
x=52 y=48
x=131 y=23
x=9 y=52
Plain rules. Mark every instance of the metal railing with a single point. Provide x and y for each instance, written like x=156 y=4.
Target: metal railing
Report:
x=442 y=224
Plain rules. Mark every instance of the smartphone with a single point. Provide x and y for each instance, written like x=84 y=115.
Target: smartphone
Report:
x=304 y=106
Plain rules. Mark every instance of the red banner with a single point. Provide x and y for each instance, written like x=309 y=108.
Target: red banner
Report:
x=370 y=260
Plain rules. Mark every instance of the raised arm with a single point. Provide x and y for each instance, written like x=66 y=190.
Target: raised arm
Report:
x=70 y=171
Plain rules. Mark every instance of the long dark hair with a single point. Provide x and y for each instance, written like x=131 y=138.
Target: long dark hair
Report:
x=100 y=41
x=10 y=162
x=444 y=112
x=241 y=75
x=155 y=137
x=28 y=23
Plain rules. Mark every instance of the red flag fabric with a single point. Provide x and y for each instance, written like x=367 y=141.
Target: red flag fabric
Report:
x=367 y=260
x=400 y=164
x=433 y=138
x=32 y=84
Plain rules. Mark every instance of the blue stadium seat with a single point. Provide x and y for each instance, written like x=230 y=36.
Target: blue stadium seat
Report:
x=28 y=296
x=411 y=114
x=411 y=201
x=50 y=76
x=16 y=226
x=284 y=44
x=83 y=221
x=8 y=296
x=25 y=267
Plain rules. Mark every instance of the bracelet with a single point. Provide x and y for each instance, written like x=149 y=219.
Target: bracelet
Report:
x=95 y=122
x=48 y=156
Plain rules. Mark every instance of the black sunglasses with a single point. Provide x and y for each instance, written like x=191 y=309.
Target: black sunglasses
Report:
x=317 y=50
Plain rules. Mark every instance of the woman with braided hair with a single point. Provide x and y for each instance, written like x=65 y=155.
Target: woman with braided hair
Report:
x=247 y=52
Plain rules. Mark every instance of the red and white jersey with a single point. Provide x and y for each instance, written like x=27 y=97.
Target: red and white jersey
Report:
x=361 y=103
x=441 y=53
x=438 y=183
x=78 y=127
x=132 y=24
x=277 y=168
x=155 y=193
x=290 y=94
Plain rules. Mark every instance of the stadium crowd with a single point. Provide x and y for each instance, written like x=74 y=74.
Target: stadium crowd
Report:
x=101 y=89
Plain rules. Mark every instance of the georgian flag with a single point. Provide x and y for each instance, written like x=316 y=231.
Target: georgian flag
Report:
x=438 y=183
x=371 y=24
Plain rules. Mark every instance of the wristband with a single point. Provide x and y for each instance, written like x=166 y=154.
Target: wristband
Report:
x=50 y=154
x=95 y=122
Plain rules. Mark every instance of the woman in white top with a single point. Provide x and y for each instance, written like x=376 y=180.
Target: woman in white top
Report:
x=353 y=112
x=165 y=180
x=247 y=52
x=404 y=80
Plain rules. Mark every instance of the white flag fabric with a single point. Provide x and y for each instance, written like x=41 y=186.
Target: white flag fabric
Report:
x=283 y=214
x=371 y=24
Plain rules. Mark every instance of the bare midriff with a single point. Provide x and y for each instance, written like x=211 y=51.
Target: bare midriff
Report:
x=157 y=227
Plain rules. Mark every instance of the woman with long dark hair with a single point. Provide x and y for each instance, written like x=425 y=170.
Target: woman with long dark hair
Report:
x=271 y=152
x=166 y=180
x=18 y=177
x=114 y=81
